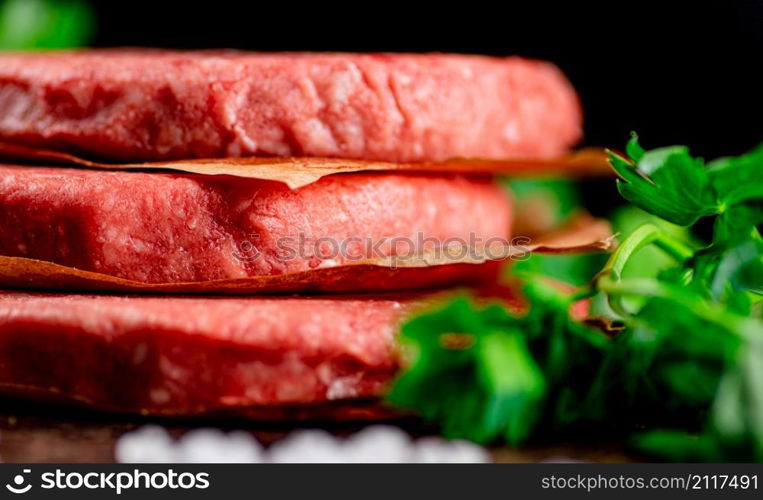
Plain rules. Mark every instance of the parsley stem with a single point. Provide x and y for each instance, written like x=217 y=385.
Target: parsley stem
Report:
x=645 y=235
x=745 y=327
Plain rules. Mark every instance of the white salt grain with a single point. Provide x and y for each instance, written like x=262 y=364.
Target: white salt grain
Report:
x=379 y=444
x=214 y=446
x=306 y=446
x=149 y=444
x=376 y=444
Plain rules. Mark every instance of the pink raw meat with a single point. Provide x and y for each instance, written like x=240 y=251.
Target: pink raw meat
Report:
x=191 y=355
x=128 y=105
x=170 y=228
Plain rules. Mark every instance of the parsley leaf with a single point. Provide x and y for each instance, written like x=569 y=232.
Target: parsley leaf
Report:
x=484 y=373
x=738 y=179
x=666 y=182
x=472 y=372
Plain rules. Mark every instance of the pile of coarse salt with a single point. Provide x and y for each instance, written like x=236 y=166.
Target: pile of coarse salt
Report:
x=376 y=444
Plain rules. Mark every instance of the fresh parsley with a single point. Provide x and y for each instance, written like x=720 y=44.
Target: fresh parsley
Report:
x=682 y=375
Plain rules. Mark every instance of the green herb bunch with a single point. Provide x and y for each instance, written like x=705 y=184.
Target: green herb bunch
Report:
x=681 y=374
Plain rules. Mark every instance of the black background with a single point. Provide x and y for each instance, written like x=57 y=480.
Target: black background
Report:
x=675 y=73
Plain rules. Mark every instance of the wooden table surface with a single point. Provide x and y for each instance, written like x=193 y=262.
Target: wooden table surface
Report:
x=31 y=432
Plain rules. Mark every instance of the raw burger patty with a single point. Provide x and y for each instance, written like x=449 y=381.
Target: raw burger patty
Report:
x=151 y=105
x=188 y=355
x=170 y=228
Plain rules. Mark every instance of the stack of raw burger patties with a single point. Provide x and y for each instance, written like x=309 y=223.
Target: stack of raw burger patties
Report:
x=163 y=292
